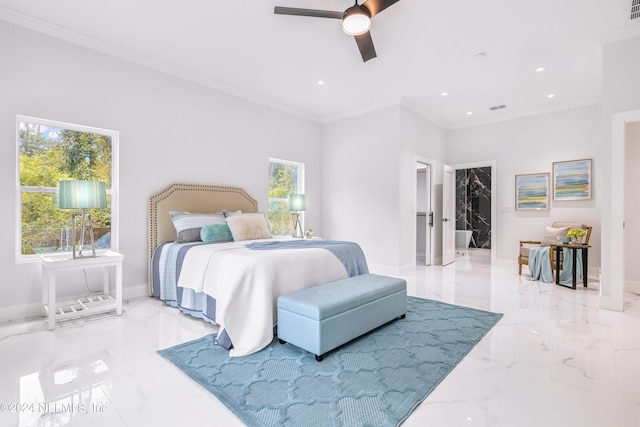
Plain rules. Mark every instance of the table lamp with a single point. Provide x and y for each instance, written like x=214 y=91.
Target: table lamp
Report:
x=79 y=194
x=296 y=204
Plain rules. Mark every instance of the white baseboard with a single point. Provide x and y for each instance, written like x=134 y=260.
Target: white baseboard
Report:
x=20 y=312
x=135 y=291
x=34 y=309
x=610 y=303
x=630 y=286
x=384 y=270
x=390 y=270
x=406 y=269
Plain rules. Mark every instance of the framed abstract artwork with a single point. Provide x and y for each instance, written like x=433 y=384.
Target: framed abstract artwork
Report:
x=532 y=192
x=572 y=180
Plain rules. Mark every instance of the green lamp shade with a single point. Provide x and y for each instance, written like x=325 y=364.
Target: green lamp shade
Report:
x=297 y=202
x=77 y=194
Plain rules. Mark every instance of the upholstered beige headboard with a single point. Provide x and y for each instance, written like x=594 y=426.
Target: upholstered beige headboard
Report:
x=191 y=198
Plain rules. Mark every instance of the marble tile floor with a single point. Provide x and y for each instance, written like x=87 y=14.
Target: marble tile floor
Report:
x=554 y=359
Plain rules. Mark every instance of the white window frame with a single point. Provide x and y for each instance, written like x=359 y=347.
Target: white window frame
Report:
x=114 y=135
x=300 y=184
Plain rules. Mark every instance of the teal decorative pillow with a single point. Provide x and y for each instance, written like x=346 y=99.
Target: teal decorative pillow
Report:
x=213 y=233
x=188 y=224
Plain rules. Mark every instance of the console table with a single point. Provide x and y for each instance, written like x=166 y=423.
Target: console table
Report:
x=573 y=248
x=85 y=306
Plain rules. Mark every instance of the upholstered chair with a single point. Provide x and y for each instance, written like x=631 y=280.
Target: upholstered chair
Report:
x=552 y=235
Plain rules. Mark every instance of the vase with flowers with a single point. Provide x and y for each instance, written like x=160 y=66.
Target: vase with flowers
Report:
x=576 y=235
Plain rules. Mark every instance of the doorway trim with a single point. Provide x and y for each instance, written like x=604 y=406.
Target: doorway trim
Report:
x=432 y=166
x=612 y=280
x=494 y=198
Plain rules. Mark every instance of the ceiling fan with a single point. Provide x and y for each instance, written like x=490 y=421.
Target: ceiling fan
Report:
x=356 y=21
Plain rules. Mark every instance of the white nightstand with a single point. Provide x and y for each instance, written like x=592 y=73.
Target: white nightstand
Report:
x=85 y=306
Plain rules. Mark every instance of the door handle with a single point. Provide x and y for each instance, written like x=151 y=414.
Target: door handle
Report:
x=445 y=219
x=430 y=219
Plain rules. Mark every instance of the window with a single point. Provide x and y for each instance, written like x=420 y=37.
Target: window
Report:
x=285 y=178
x=49 y=152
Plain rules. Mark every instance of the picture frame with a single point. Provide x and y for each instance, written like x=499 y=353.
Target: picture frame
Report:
x=572 y=180
x=532 y=192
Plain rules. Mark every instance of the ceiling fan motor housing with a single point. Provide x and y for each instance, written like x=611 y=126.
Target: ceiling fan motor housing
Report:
x=356 y=20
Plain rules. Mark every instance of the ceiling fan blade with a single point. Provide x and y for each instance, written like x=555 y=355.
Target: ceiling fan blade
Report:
x=377 y=6
x=279 y=10
x=365 y=44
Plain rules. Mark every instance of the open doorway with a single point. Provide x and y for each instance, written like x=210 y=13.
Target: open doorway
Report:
x=475 y=207
x=424 y=213
x=612 y=282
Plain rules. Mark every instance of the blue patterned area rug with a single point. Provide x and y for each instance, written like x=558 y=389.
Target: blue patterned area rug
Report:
x=377 y=379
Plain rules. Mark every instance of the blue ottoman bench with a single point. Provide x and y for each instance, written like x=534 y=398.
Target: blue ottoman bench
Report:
x=321 y=318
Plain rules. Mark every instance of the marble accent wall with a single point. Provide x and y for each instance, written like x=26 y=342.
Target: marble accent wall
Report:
x=473 y=204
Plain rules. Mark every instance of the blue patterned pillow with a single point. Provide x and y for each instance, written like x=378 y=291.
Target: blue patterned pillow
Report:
x=188 y=225
x=214 y=233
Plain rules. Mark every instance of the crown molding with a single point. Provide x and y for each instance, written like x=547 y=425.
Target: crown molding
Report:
x=423 y=112
x=83 y=40
x=410 y=105
x=399 y=101
x=620 y=34
x=527 y=113
x=393 y=102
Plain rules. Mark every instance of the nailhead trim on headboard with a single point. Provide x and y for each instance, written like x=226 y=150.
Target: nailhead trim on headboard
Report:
x=188 y=197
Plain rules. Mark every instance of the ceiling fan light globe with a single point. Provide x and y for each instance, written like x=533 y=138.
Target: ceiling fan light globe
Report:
x=356 y=20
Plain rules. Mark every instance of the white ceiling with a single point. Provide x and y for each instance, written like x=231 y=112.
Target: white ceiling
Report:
x=424 y=47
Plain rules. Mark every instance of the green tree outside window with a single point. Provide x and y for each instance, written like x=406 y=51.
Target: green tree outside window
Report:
x=48 y=155
x=285 y=178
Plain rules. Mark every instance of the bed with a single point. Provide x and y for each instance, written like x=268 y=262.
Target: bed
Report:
x=234 y=283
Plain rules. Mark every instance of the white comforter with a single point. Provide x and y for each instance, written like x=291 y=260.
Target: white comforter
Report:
x=247 y=283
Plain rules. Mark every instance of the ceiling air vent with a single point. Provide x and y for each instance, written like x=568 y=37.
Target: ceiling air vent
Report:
x=635 y=9
x=500 y=107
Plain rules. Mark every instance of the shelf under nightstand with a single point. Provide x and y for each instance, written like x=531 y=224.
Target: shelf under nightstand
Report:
x=88 y=305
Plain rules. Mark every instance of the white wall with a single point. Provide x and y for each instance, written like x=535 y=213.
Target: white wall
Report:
x=360 y=172
x=419 y=137
x=632 y=205
x=369 y=182
x=620 y=94
x=170 y=131
x=531 y=145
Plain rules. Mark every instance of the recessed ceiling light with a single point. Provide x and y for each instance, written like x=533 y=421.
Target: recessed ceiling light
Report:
x=469 y=113
x=539 y=69
x=320 y=82
x=444 y=93
x=551 y=95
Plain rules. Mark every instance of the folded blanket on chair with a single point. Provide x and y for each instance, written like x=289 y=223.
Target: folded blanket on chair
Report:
x=540 y=265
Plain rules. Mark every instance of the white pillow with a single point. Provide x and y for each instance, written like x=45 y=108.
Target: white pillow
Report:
x=551 y=235
x=248 y=227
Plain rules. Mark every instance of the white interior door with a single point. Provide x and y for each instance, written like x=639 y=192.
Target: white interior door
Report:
x=448 y=215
